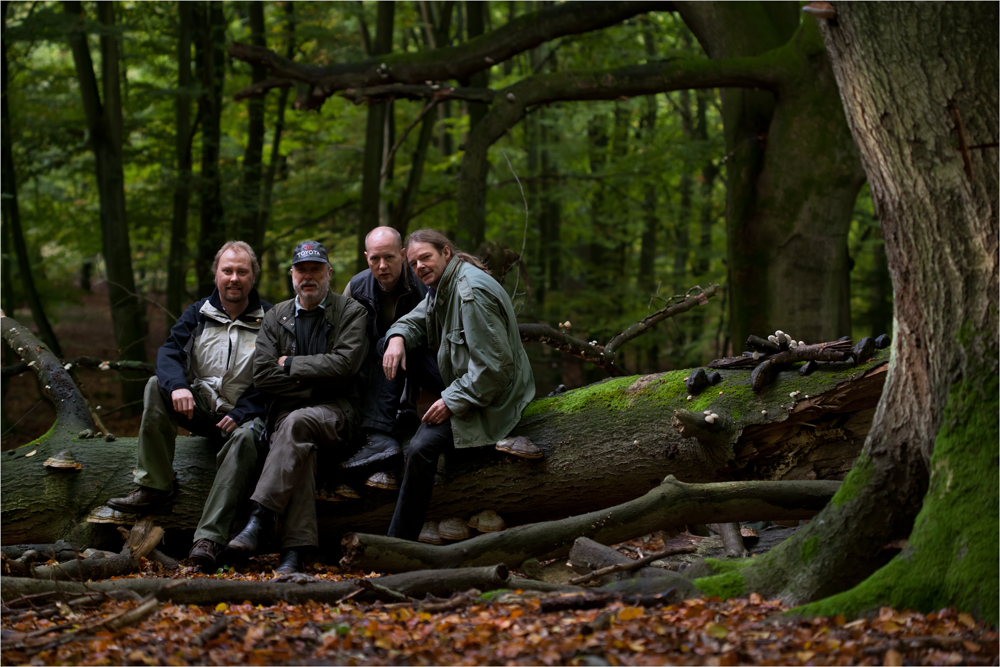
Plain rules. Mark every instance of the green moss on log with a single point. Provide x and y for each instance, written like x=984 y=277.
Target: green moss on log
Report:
x=952 y=555
x=810 y=549
x=859 y=477
x=728 y=582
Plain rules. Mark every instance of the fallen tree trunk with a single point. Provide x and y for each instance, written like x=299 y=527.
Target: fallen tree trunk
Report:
x=604 y=445
x=669 y=504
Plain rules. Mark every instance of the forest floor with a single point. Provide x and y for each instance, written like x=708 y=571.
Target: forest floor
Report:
x=505 y=629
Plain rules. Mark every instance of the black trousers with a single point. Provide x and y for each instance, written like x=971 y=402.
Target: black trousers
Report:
x=383 y=396
x=430 y=441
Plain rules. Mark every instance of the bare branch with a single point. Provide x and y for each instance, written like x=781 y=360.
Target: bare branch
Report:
x=649 y=322
x=454 y=62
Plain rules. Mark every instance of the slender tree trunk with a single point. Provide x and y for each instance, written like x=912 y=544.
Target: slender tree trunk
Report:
x=12 y=226
x=104 y=123
x=211 y=61
x=371 y=179
x=267 y=255
x=184 y=134
x=249 y=220
x=916 y=94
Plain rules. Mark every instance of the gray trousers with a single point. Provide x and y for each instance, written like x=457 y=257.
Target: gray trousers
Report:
x=287 y=486
x=235 y=462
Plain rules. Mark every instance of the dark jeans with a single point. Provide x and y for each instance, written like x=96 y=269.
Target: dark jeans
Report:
x=383 y=396
x=427 y=444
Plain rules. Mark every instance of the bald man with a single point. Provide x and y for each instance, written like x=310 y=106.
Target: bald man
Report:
x=387 y=289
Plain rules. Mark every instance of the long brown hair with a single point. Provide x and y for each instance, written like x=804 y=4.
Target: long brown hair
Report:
x=440 y=242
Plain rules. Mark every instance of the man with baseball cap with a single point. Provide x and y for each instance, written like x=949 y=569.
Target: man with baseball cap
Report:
x=309 y=352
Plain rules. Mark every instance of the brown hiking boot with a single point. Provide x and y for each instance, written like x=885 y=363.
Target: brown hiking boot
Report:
x=205 y=552
x=143 y=499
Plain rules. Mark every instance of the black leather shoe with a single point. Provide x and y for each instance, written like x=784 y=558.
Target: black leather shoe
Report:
x=378 y=447
x=143 y=499
x=205 y=553
x=256 y=531
x=291 y=561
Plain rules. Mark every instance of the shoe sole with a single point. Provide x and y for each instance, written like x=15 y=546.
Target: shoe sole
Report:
x=522 y=455
x=375 y=458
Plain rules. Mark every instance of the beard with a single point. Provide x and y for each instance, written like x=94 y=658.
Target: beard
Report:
x=233 y=297
x=313 y=299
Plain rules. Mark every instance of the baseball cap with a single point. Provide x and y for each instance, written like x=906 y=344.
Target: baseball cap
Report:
x=310 y=251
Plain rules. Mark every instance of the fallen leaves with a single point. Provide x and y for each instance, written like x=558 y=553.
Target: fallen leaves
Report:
x=491 y=628
x=693 y=632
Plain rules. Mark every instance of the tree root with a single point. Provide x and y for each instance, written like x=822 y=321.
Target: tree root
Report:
x=670 y=504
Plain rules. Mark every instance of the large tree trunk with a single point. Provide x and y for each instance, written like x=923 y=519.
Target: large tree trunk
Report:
x=104 y=123
x=371 y=179
x=921 y=98
x=793 y=175
x=248 y=220
x=177 y=263
x=604 y=445
x=211 y=66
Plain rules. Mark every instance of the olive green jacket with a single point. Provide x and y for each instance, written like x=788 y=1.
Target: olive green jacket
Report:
x=470 y=321
x=318 y=378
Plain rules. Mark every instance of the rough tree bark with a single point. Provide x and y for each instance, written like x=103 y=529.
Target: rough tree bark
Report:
x=920 y=94
x=604 y=445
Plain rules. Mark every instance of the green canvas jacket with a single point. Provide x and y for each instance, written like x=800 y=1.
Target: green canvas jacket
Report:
x=317 y=378
x=470 y=321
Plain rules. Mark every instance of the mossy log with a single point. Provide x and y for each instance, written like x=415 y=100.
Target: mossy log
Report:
x=604 y=444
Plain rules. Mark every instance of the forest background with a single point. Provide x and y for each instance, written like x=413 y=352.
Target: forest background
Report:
x=615 y=205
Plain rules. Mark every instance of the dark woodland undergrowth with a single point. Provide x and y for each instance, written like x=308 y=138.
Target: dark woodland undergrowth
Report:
x=490 y=629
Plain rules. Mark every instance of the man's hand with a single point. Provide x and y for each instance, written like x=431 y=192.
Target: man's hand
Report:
x=281 y=361
x=183 y=401
x=227 y=424
x=394 y=357
x=437 y=413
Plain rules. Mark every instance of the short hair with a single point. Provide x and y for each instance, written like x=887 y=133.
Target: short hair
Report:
x=391 y=230
x=440 y=242
x=238 y=245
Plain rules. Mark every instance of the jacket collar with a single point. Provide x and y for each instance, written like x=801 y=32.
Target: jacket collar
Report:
x=252 y=313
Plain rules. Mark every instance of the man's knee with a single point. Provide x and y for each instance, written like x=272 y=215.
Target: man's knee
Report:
x=241 y=446
x=311 y=425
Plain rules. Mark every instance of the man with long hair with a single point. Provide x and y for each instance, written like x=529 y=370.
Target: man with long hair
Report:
x=486 y=379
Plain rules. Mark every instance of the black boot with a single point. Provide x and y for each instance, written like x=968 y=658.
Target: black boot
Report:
x=378 y=447
x=291 y=561
x=256 y=531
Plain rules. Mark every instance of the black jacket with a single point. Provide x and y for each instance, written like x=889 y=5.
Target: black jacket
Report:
x=364 y=289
